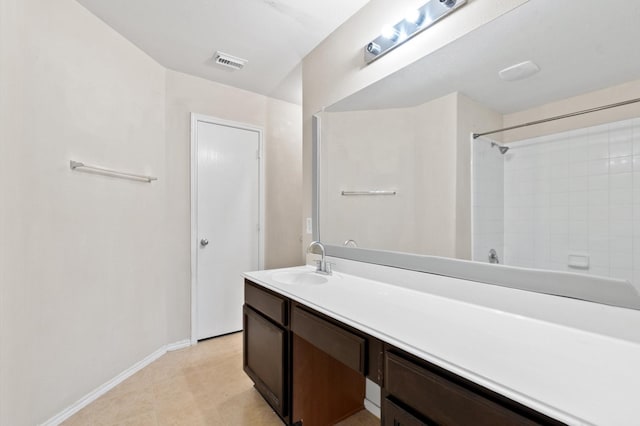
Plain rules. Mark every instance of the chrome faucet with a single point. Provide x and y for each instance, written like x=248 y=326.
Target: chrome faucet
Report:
x=322 y=266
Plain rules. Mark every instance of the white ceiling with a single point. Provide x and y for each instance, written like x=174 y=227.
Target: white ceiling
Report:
x=274 y=35
x=580 y=46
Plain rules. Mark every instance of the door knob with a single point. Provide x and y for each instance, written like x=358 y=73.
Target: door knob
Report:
x=204 y=242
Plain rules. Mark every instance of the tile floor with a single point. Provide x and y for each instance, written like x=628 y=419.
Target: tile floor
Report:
x=200 y=385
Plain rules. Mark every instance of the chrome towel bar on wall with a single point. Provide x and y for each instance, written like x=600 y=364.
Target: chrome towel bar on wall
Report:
x=74 y=165
x=350 y=193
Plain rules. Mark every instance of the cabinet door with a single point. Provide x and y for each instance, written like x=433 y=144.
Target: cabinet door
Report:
x=265 y=358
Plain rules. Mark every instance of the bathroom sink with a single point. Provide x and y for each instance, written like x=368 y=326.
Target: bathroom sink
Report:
x=299 y=278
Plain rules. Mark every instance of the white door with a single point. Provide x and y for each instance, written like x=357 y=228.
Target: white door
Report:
x=228 y=223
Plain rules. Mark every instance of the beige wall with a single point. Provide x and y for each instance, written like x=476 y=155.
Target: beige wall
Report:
x=95 y=270
x=357 y=156
x=336 y=68
x=435 y=191
x=85 y=273
x=283 y=156
x=10 y=120
x=421 y=152
x=623 y=92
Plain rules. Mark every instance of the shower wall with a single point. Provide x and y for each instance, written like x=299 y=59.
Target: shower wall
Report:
x=488 y=200
x=571 y=201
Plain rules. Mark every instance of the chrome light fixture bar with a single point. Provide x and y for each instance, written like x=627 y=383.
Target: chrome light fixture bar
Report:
x=415 y=22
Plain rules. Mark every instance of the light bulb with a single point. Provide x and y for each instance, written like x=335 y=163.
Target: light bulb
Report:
x=413 y=16
x=402 y=36
x=388 y=32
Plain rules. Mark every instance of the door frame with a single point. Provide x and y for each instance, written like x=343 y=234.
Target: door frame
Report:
x=200 y=118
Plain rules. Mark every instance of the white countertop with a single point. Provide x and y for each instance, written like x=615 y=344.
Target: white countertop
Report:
x=578 y=375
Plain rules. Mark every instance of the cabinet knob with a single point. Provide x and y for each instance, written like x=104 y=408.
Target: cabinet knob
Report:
x=204 y=242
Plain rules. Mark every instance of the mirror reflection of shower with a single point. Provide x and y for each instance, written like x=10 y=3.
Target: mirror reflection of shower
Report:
x=503 y=149
x=350 y=243
x=565 y=202
x=488 y=199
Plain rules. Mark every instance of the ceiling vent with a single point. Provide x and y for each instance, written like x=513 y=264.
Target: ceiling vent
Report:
x=519 y=71
x=229 y=61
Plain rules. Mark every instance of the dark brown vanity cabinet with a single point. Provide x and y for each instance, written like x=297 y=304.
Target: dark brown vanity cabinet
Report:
x=419 y=393
x=311 y=368
x=266 y=355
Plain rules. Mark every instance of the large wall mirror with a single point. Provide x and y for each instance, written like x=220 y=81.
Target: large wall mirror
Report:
x=401 y=181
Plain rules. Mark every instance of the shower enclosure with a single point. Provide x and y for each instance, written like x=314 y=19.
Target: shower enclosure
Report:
x=566 y=202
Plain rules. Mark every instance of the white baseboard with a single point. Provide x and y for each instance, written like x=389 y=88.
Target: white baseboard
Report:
x=103 y=389
x=178 y=345
x=372 y=408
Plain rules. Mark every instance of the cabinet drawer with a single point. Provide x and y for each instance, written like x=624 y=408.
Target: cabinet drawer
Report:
x=441 y=400
x=392 y=415
x=265 y=302
x=346 y=347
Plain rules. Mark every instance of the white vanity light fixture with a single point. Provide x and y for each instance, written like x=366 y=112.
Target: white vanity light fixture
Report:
x=414 y=22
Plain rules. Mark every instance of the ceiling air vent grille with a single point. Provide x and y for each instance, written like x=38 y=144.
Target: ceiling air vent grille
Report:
x=229 y=61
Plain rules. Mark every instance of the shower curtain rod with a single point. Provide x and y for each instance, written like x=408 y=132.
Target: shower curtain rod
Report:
x=558 y=117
